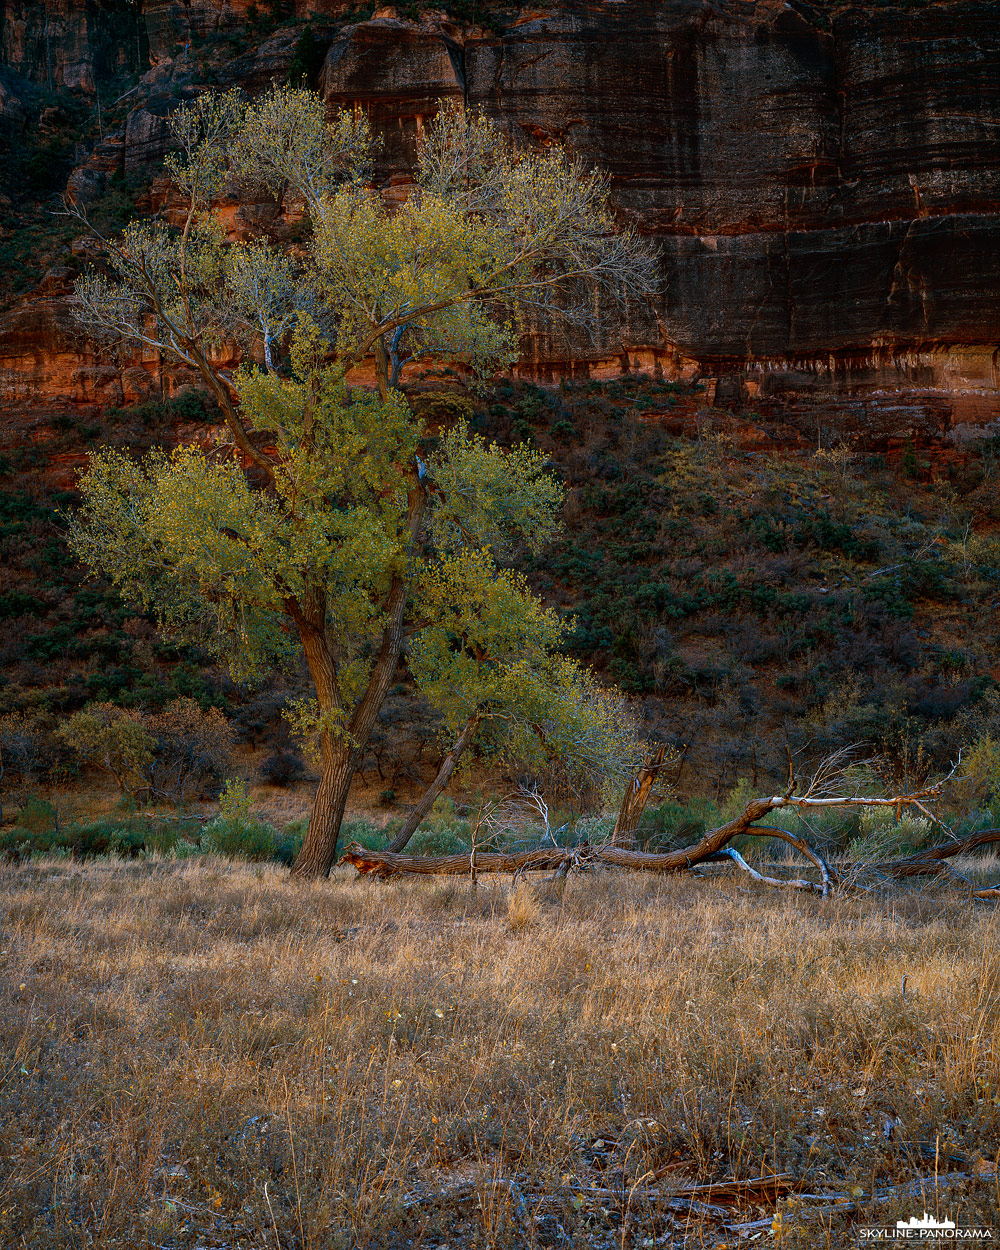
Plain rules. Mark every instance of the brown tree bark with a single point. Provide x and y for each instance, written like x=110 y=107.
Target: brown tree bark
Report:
x=341 y=749
x=444 y=773
x=634 y=802
x=319 y=847
x=388 y=864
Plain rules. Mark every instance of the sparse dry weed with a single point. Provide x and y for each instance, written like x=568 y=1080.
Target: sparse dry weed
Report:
x=197 y=1054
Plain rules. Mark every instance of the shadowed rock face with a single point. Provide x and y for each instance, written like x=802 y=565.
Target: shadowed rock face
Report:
x=825 y=194
x=825 y=201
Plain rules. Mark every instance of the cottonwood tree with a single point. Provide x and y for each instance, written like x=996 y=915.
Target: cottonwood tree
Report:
x=316 y=523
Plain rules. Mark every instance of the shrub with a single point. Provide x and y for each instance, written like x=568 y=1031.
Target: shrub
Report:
x=443 y=407
x=282 y=768
x=237 y=833
x=190 y=748
x=128 y=841
x=882 y=836
x=99 y=837
x=446 y=841
x=676 y=823
x=124 y=835
x=980 y=778
x=364 y=831
x=238 y=839
x=36 y=816
x=18 y=603
x=183 y=849
x=288 y=845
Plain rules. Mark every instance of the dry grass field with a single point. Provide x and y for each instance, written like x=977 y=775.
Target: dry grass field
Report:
x=200 y=1054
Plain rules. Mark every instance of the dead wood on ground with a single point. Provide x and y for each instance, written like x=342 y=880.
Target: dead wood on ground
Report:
x=393 y=864
x=934 y=858
x=713 y=845
x=703 y=1199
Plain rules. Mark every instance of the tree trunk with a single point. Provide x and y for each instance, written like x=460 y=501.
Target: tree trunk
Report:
x=319 y=847
x=342 y=747
x=343 y=743
x=339 y=761
x=437 y=785
x=634 y=802
x=382 y=380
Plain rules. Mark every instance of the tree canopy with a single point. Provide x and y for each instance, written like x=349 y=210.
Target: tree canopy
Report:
x=328 y=518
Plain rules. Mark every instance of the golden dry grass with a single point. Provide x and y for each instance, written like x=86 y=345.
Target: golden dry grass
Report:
x=206 y=1055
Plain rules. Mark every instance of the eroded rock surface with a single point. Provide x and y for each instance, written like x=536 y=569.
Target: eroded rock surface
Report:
x=824 y=188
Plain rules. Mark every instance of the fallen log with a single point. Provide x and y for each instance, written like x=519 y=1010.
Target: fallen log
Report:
x=391 y=863
x=713 y=845
x=685 y=1198
x=924 y=1188
x=396 y=863
x=933 y=859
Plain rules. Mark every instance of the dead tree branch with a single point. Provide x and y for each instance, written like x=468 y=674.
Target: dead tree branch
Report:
x=713 y=845
x=932 y=860
x=634 y=802
x=790 y=883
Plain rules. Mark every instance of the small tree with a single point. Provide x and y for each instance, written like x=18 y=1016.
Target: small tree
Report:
x=316 y=524
x=111 y=739
x=21 y=741
x=190 y=747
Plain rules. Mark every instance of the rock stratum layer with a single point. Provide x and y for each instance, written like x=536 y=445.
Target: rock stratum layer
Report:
x=824 y=188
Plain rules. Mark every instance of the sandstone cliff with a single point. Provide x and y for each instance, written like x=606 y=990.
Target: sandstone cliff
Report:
x=823 y=184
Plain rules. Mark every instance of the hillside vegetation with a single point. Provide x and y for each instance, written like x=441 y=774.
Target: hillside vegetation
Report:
x=745 y=594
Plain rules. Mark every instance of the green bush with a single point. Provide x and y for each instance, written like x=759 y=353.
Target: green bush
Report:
x=370 y=836
x=443 y=407
x=108 y=836
x=288 y=844
x=237 y=833
x=183 y=849
x=37 y=816
x=255 y=840
x=129 y=837
x=446 y=841
x=19 y=603
x=676 y=823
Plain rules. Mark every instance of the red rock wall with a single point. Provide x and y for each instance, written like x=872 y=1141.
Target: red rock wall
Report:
x=825 y=194
x=826 y=201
